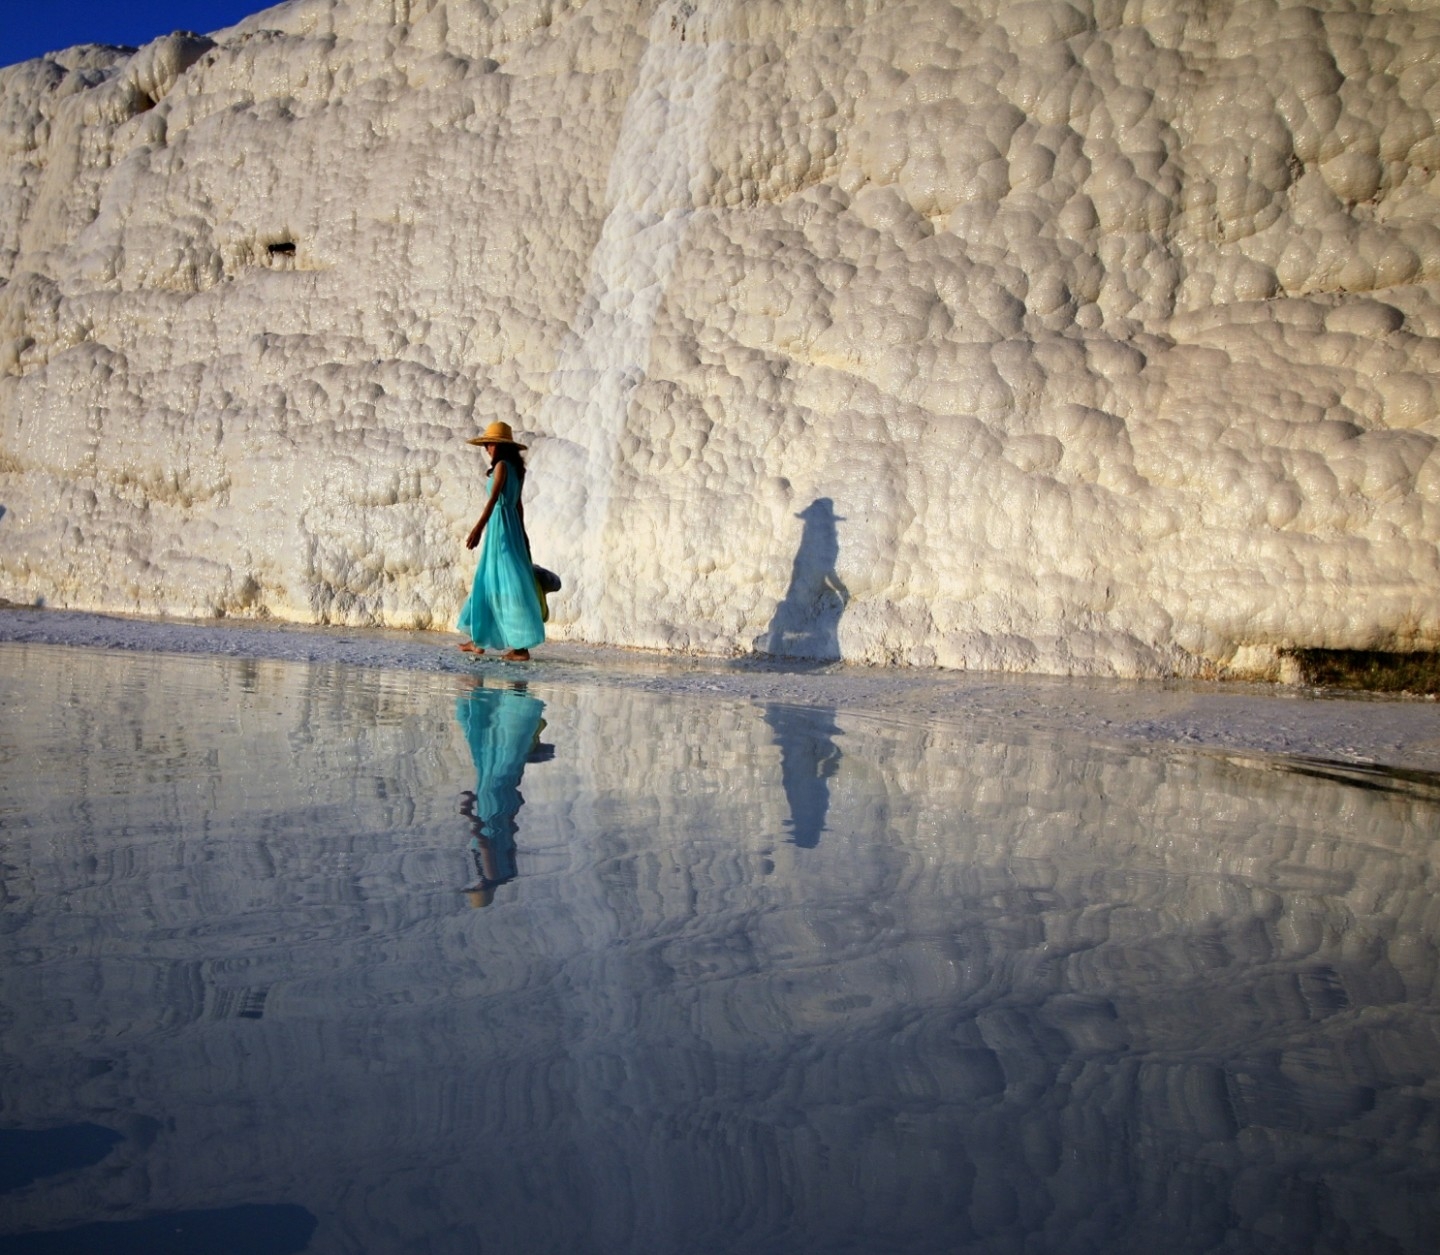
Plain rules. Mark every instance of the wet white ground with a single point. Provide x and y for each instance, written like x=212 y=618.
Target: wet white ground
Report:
x=1365 y=731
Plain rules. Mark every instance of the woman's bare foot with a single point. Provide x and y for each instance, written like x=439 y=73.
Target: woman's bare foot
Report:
x=469 y=647
x=516 y=655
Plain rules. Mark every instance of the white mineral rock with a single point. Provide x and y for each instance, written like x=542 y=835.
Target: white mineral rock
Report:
x=1090 y=337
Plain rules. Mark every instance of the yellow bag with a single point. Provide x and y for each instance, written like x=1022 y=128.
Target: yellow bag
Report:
x=545 y=582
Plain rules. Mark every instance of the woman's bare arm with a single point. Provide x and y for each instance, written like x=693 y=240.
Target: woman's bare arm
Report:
x=497 y=482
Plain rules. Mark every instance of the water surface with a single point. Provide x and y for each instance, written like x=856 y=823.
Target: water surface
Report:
x=363 y=961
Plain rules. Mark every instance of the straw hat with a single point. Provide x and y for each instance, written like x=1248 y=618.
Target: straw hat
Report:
x=497 y=433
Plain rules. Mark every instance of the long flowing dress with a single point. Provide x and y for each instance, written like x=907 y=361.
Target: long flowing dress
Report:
x=503 y=609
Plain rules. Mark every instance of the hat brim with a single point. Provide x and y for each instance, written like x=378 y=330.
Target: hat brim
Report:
x=484 y=440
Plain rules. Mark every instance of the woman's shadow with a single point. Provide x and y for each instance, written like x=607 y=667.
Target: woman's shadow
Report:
x=806 y=623
x=502 y=727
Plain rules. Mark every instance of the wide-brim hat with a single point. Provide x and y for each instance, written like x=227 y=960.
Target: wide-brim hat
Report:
x=497 y=433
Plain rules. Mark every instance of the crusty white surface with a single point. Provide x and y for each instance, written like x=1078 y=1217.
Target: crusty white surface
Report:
x=1104 y=333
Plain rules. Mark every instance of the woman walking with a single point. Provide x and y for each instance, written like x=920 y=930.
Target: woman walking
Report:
x=503 y=609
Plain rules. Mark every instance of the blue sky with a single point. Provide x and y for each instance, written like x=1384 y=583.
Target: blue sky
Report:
x=30 y=27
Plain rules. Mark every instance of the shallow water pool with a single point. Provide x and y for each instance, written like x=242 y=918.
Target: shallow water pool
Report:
x=342 y=960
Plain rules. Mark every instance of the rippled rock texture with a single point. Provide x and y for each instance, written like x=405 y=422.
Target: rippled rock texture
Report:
x=1091 y=337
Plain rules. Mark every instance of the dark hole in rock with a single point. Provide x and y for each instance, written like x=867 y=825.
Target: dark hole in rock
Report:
x=286 y=248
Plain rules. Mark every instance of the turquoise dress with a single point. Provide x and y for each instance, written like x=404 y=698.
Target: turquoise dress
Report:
x=503 y=609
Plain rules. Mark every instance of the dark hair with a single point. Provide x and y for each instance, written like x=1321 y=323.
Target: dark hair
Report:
x=510 y=454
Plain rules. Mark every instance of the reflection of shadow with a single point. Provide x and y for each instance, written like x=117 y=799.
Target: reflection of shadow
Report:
x=503 y=729
x=808 y=758
x=806 y=623
x=27 y=1155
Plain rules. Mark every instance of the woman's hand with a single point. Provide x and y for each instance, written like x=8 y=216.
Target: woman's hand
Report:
x=475 y=533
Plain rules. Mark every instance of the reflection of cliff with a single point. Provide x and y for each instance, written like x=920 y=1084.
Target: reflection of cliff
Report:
x=1029 y=994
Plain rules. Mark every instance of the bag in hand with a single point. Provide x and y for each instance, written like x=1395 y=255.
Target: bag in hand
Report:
x=546 y=582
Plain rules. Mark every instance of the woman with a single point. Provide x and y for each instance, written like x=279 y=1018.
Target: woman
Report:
x=503 y=609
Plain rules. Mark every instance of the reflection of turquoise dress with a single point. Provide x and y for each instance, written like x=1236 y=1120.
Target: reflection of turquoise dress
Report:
x=500 y=725
x=503 y=609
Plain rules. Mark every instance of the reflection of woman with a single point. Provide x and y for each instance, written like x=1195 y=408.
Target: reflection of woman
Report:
x=503 y=610
x=502 y=727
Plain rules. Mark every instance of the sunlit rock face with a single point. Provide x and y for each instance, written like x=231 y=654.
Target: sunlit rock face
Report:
x=1091 y=337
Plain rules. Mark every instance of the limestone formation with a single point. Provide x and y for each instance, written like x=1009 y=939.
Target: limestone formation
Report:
x=1078 y=337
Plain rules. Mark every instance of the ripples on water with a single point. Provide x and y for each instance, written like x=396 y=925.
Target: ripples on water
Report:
x=278 y=947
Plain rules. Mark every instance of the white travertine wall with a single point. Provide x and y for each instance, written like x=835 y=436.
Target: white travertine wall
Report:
x=1089 y=337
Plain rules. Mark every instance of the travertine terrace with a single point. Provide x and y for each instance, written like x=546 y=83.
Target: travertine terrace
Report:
x=1078 y=337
